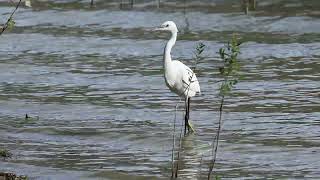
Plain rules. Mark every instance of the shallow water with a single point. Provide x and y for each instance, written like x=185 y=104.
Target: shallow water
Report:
x=91 y=79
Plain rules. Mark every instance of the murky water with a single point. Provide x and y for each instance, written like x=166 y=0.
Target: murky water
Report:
x=91 y=79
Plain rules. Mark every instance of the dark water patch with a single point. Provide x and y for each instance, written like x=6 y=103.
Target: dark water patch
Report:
x=263 y=7
x=101 y=22
x=185 y=34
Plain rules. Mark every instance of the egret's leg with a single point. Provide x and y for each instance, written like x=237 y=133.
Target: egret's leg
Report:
x=186 y=118
x=190 y=128
x=187 y=113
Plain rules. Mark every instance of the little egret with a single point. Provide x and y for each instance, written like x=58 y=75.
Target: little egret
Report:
x=179 y=78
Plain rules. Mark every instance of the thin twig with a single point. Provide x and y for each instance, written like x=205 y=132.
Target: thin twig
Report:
x=5 y=26
x=200 y=167
x=174 y=140
x=229 y=71
x=179 y=150
x=200 y=49
x=215 y=144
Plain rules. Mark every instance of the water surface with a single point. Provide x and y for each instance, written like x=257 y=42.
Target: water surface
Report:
x=91 y=79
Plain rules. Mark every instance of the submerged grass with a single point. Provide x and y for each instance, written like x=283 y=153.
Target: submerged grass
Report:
x=5 y=154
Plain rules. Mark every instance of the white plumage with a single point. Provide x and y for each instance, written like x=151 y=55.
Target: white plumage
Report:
x=179 y=78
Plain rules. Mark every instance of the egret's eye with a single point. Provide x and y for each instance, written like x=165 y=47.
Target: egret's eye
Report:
x=167 y=25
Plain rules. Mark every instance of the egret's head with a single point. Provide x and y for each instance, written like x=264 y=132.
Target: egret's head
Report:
x=168 y=26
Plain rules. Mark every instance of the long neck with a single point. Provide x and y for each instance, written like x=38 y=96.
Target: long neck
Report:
x=167 y=50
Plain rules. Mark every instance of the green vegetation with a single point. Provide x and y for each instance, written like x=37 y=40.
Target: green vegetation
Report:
x=231 y=67
x=229 y=72
x=12 y=176
x=199 y=50
x=4 y=153
x=10 y=22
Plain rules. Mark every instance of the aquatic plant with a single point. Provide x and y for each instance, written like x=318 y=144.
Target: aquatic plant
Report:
x=175 y=161
x=10 y=22
x=4 y=153
x=248 y=5
x=12 y=176
x=230 y=73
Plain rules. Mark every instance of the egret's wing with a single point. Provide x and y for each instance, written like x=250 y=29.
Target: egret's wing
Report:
x=190 y=81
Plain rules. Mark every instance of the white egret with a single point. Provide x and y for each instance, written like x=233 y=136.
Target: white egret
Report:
x=179 y=78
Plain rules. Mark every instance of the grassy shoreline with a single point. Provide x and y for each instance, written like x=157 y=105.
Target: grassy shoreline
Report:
x=11 y=176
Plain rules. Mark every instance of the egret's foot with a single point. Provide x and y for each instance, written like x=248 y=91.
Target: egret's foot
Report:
x=190 y=127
